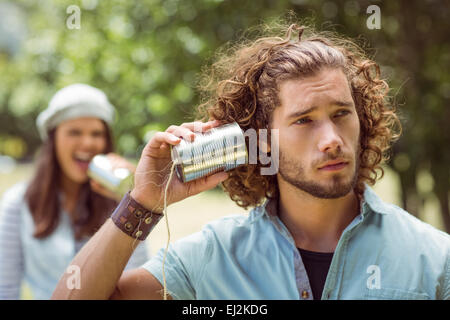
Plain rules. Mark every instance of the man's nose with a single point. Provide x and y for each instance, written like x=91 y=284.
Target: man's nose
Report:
x=329 y=140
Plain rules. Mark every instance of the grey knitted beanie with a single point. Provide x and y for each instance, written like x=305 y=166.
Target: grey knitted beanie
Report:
x=74 y=101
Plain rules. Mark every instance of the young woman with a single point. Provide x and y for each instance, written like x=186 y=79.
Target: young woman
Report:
x=46 y=221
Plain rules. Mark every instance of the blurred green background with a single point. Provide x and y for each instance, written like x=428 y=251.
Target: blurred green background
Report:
x=146 y=56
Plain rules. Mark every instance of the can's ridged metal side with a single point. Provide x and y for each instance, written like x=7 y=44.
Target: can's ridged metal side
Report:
x=219 y=149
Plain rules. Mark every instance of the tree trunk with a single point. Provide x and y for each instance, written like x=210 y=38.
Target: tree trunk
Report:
x=443 y=201
x=441 y=178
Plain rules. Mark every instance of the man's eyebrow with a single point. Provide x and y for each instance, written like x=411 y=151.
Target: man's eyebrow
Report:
x=298 y=114
x=338 y=103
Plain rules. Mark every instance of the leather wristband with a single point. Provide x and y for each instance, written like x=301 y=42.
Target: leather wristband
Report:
x=133 y=219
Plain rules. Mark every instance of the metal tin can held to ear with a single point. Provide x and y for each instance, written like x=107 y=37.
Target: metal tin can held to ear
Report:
x=219 y=149
x=117 y=180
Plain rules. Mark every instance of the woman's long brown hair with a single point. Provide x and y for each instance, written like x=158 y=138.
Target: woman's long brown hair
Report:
x=42 y=196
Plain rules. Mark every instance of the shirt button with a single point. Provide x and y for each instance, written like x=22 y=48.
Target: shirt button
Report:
x=305 y=294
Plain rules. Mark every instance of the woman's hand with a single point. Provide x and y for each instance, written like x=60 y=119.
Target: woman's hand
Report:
x=98 y=188
x=154 y=167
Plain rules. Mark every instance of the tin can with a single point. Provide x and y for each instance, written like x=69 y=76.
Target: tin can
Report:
x=117 y=180
x=219 y=149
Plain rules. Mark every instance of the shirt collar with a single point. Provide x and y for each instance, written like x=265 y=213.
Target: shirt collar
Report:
x=370 y=203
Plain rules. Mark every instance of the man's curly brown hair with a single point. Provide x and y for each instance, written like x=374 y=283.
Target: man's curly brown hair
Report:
x=243 y=86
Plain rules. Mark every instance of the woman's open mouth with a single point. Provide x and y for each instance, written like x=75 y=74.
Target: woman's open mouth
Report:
x=82 y=160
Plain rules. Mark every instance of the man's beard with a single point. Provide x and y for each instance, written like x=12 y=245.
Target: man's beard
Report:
x=294 y=174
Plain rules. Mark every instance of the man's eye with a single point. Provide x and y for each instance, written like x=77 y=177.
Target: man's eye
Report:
x=342 y=113
x=303 y=121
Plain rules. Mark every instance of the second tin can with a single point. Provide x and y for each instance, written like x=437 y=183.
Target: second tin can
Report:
x=117 y=180
x=219 y=149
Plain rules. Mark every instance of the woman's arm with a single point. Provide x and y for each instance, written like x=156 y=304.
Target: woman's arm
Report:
x=11 y=257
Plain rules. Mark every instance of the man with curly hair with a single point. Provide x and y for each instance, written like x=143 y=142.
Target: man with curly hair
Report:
x=317 y=230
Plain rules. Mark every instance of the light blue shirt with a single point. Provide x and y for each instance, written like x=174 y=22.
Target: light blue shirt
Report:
x=384 y=253
x=40 y=263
